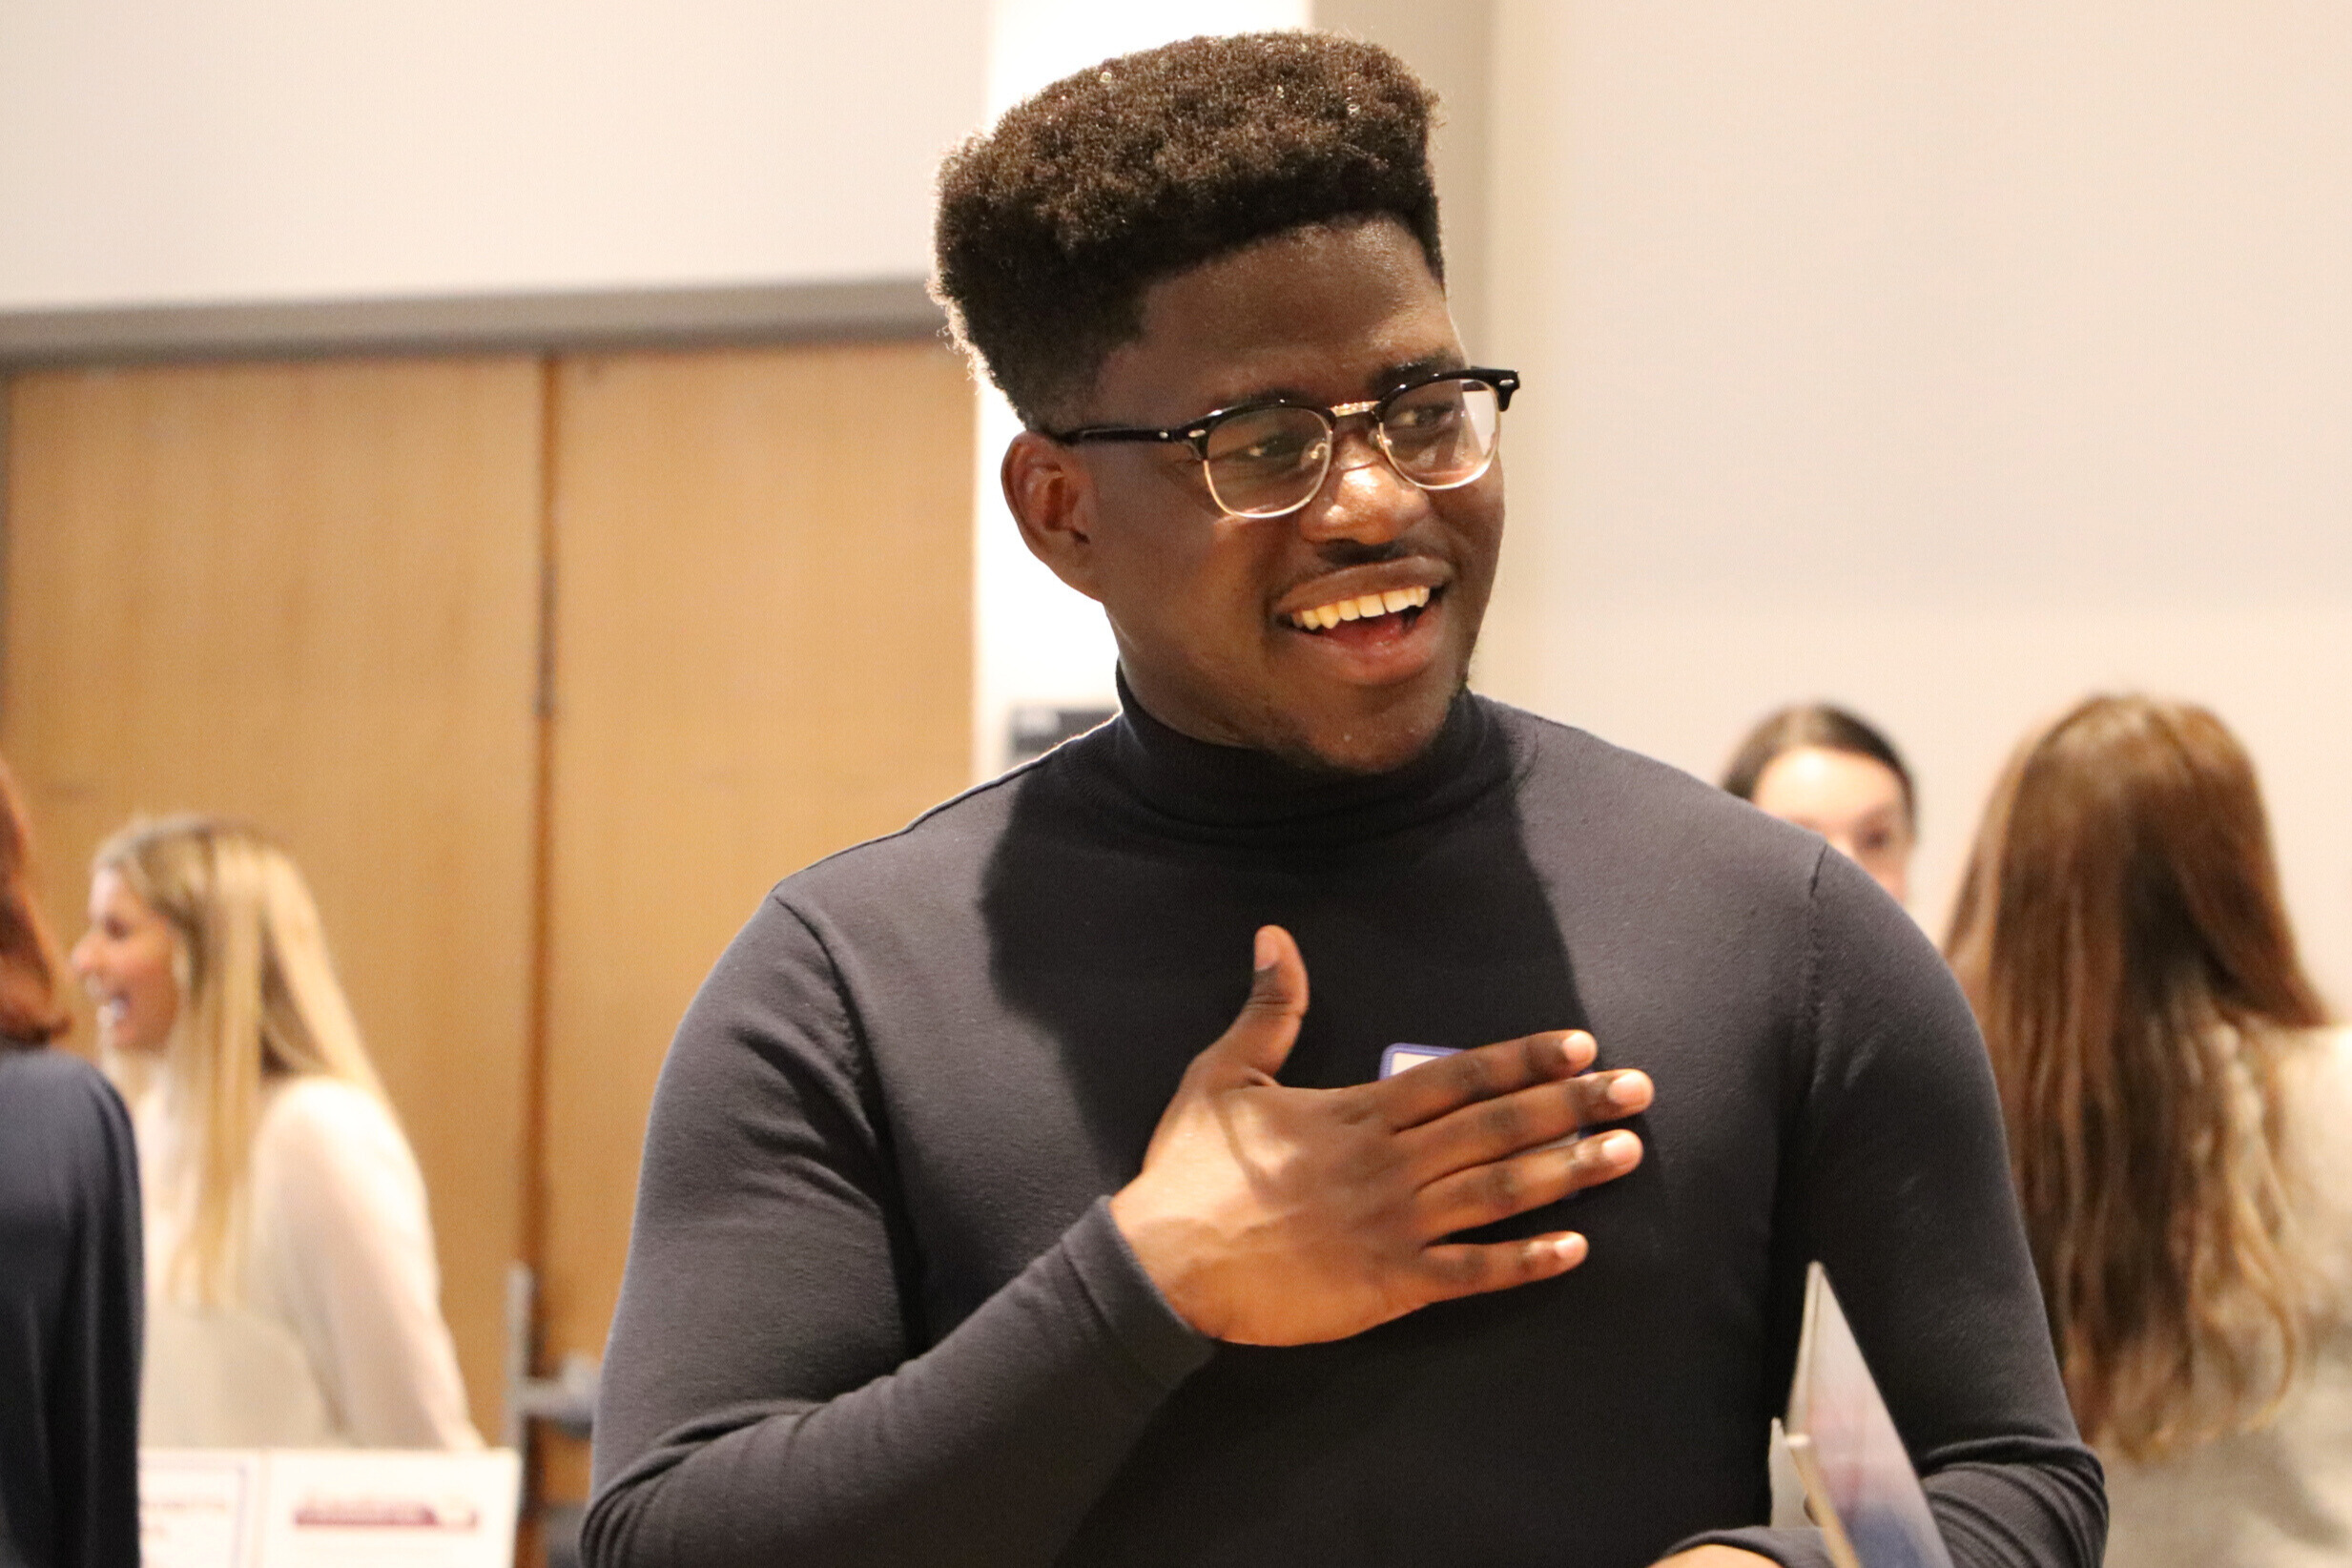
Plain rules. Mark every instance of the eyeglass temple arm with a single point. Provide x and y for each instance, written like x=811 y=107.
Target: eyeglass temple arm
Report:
x=1503 y=381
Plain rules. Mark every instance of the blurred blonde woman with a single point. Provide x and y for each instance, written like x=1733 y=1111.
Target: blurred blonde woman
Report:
x=292 y=1295
x=2178 y=1120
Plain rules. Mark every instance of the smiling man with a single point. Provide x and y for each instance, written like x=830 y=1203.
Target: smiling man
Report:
x=1271 y=627
x=1006 y=1201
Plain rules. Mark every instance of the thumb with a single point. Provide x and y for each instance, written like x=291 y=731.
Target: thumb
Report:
x=1267 y=1026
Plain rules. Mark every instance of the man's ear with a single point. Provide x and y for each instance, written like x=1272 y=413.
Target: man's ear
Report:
x=1051 y=493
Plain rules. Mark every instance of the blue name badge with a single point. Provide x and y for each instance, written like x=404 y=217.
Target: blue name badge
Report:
x=1402 y=1056
x=1398 y=1057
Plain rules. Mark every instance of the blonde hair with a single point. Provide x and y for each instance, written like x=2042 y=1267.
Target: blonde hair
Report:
x=257 y=1000
x=2121 y=936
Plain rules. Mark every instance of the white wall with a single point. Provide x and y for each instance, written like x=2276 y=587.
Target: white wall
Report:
x=214 y=151
x=1948 y=359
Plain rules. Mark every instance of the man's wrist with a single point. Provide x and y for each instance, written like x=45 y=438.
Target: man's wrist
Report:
x=1154 y=1242
x=1129 y=1304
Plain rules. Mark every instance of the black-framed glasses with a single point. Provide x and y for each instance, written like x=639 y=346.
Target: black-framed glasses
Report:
x=1268 y=458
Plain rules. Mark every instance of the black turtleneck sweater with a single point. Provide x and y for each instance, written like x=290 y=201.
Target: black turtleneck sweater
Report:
x=876 y=1312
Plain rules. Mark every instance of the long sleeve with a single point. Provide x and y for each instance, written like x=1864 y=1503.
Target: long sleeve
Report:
x=1897 y=1180
x=69 y=1310
x=346 y=1245
x=771 y=1390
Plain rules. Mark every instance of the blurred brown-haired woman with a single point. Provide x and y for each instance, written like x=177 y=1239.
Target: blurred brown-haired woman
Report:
x=2174 y=1113
x=70 y=1284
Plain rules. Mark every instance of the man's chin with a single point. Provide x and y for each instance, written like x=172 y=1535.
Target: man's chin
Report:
x=1379 y=741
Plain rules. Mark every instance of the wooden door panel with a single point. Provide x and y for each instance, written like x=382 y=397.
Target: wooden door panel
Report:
x=763 y=655
x=305 y=594
x=308 y=594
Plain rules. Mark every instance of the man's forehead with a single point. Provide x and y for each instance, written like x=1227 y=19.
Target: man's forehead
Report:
x=1287 y=283
x=1320 y=312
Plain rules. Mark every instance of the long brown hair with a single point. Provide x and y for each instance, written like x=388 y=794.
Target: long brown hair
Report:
x=2121 y=933
x=30 y=1010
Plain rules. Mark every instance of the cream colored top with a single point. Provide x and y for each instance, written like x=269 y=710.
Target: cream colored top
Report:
x=338 y=1339
x=2281 y=1498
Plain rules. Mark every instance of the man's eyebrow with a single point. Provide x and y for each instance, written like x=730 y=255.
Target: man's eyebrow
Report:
x=1382 y=381
x=1394 y=375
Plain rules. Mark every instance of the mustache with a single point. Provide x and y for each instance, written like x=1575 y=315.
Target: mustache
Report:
x=1336 y=553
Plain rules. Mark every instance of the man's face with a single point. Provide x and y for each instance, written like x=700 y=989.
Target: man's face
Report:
x=1205 y=607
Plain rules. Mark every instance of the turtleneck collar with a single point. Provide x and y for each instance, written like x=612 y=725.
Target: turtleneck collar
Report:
x=1195 y=789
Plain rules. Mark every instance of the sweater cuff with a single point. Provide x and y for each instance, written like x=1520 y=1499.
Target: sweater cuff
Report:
x=1163 y=1348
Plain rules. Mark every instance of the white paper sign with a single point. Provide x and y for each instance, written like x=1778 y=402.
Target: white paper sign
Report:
x=199 y=1507
x=374 y=1508
x=328 y=1508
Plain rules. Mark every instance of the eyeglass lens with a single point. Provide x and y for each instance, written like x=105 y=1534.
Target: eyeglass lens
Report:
x=1271 y=460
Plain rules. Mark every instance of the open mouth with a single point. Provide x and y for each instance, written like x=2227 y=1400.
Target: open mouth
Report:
x=1394 y=608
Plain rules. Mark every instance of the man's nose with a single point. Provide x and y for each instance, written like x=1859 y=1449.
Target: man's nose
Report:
x=81 y=958
x=1363 y=497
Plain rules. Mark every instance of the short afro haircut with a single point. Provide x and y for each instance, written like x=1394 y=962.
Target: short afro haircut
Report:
x=1052 y=226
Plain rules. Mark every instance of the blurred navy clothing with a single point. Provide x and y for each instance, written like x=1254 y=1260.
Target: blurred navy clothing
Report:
x=70 y=1302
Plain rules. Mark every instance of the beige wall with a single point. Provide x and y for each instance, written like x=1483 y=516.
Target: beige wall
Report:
x=271 y=150
x=1946 y=359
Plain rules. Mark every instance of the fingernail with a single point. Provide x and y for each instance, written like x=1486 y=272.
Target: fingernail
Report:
x=1618 y=1148
x=1570 y=1249
x=1625 y=1091
x=1264 y=954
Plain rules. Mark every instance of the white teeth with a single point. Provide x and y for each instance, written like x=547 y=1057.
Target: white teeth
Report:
x=112 y=1010
x=1364 y=606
